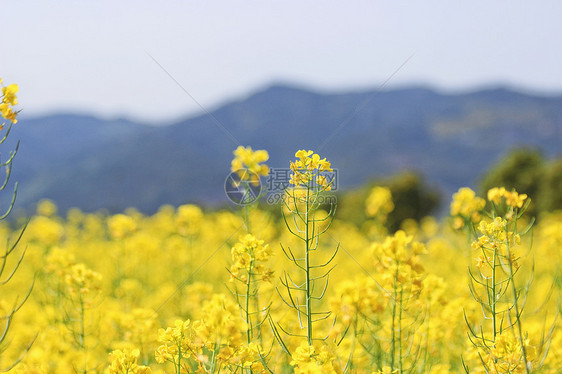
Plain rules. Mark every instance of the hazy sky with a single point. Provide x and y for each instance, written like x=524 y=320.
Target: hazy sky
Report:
x=93 y=55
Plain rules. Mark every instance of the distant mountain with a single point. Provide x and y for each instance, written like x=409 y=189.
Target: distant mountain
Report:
x=86 y=162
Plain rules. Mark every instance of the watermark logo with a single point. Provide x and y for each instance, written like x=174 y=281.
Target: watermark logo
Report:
x=277 y=180
x=289 y=200
x=242 y=187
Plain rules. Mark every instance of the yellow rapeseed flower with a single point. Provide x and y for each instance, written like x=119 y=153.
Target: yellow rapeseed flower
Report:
x=121 y=225
x=9 y=100
x=246 y=158
x=82 y=282
x=466 y=206
x=46 y=208
x=379 y=202
x=248 y=255
x=125 y=362
x=308 y=167
x=512 y=199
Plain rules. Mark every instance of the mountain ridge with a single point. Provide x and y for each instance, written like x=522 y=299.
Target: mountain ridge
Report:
x=92 y=163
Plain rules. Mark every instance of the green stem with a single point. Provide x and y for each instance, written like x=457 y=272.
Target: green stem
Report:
x=248 y=282
x=494 y=297
x=516 y=306
x=178 y=367
x=83 y=334
x=426 y=354
x=213 y=360
x=307 y=267
x=352 y=350
x=393 y=331
x=400 y=333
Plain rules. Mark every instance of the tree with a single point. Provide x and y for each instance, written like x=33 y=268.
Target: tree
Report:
x=411 y=196
x=551 y=190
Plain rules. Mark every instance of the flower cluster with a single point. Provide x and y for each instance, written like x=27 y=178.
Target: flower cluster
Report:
x=504 y=356
x=221 y=324
x=493 y=240
x=379 y=203
x=512 y=199
x=248 y=357
x=188 y=219
x=121 y=225
x=46 y=230
x=215 y=339
x=247 y=163
x=248 y=255
x=402 y=316
x=125 y=362
x=306 y=360
x=82 y=282
x=398 y=258
x=46 y=208
x=466 y=207
x=359 y=297
x=308 y=167
x=176 y=343
x=9 y=100
x=138 y=326
x=58 y=261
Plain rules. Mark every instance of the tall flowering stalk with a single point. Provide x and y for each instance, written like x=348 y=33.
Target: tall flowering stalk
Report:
x=249 y=268
x=83 y=287
x=502 y=347
x=398 y=261
x=8 y=112
x=302 y=203
x=250 y=254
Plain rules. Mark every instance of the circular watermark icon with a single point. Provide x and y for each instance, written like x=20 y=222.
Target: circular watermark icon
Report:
x=242 y=187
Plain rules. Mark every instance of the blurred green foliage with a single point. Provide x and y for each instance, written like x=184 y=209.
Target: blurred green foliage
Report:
x=412 y=198
x=528 y=171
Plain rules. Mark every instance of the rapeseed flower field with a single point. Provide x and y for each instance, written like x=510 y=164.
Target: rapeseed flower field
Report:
x=244 y=290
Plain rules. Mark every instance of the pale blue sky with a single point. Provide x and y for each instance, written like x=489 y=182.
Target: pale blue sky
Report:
x=91 y=56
